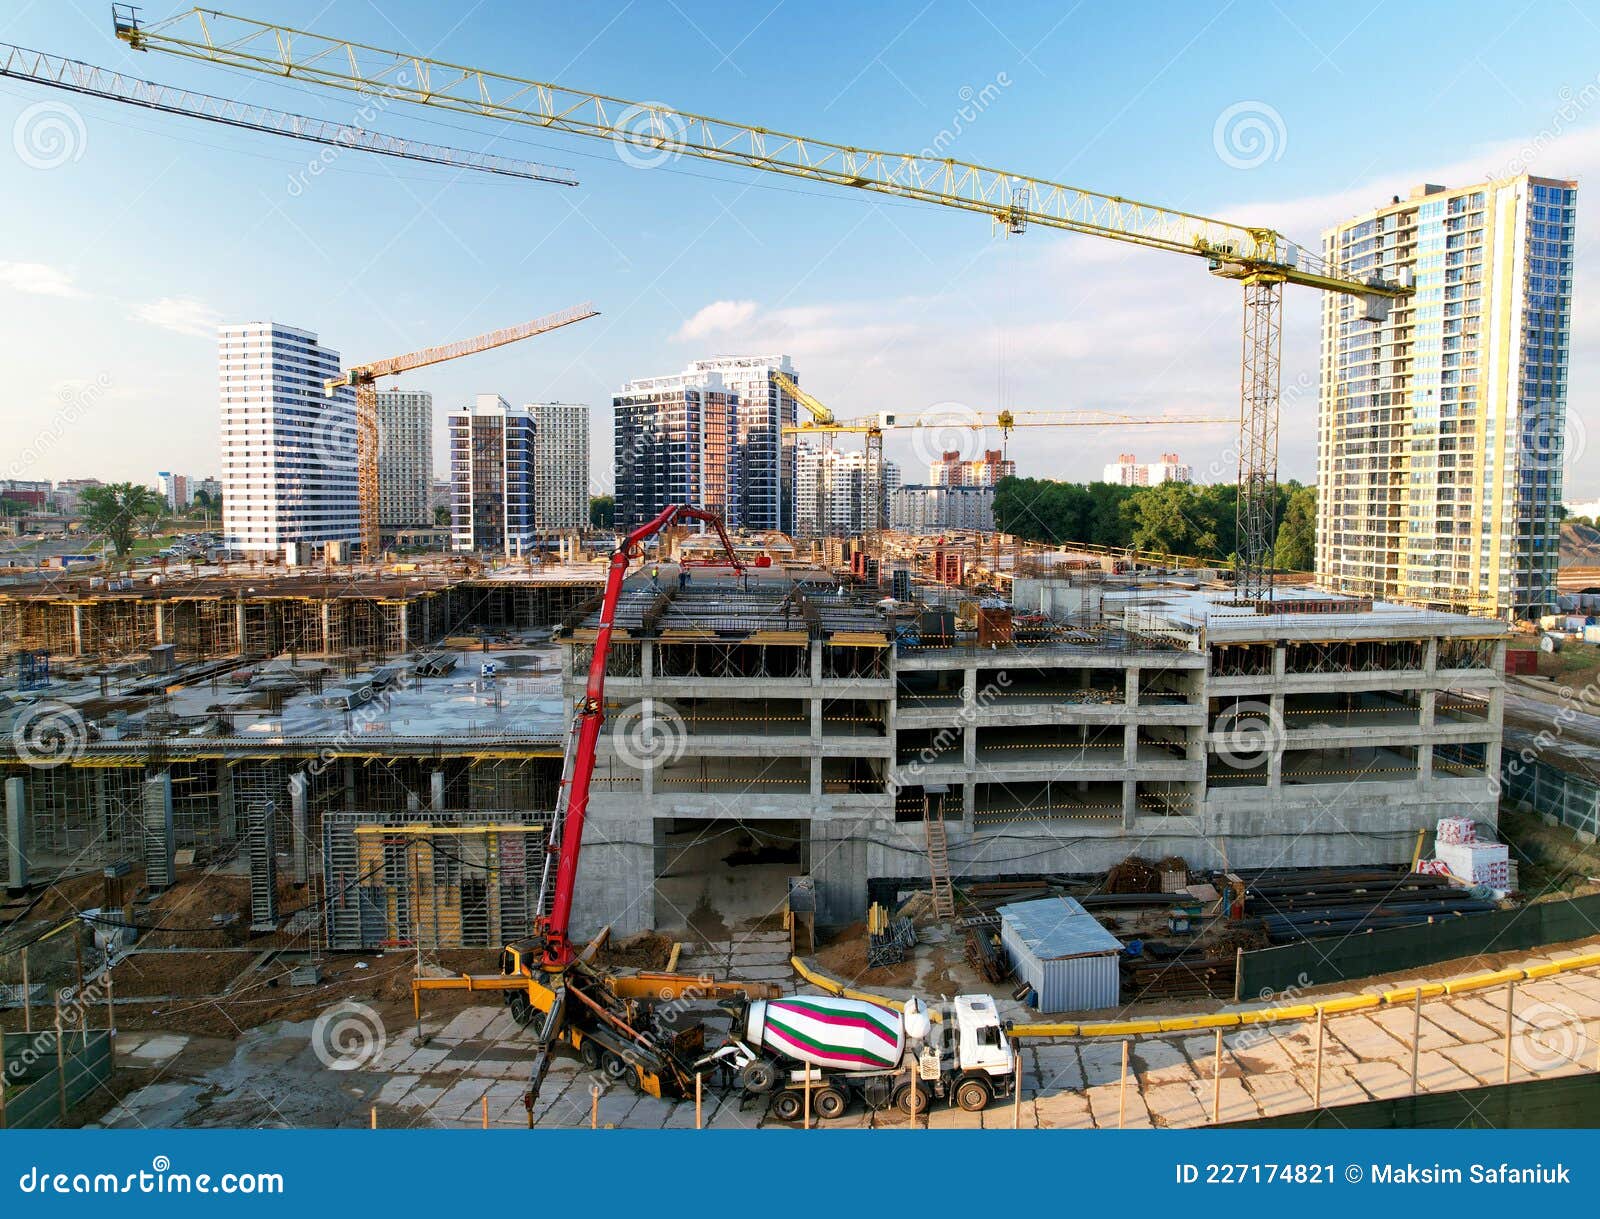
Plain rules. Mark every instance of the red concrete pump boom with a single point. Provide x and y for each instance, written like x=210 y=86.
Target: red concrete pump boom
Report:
x=558 y=951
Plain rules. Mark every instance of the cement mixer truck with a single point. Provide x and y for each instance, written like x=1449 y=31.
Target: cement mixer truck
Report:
x=888 y=1057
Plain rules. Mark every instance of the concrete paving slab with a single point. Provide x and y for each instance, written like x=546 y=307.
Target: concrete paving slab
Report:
x=1339 y=1087
x=1443 y=1014
x=428 y=1058
x=1398 y=1022
x=1102 y=1061
x=1380 y=1080
x=1104 y=1101
x=1154 y=1054
x=157 y=1048
x=1176 y=1104
x=1437 y=1073
x=458 y=1097
x=470 y=1023
x=999 y=1116
x=1057 y=1068
x=1488 y=1008
x=395 y=1088
x=1277 y=1092
x=1365 y=1038
x=1484 y=1061
x=1063 y=1110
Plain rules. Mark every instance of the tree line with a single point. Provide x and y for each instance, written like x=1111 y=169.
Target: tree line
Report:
x=1166 y=519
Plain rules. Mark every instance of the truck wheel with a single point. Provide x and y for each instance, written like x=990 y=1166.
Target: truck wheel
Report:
x=829 y=1103
x=758 y=1076
x=521 y=1010
x=912 y=1099
x=614 y=1067
x=788 y=1106
x=974 y=1095
x=589 y=1054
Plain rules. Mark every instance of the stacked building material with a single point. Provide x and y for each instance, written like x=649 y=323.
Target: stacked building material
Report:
x=1478 y=863
x=1299 y=905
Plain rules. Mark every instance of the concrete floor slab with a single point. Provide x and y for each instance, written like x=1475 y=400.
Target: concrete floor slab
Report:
x=1057 y=1068
x=1102 y=1061
x=156 y=1048
x=1339 y=1087
x=1157 y=1054
x=1443 y=1014
x=394 y=1089
x=459 y=1097
x=428 y=1058
x=1484 y=1061
x=470 y=1023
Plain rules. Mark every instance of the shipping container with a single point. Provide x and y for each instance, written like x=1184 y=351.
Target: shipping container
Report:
x=1069 y=961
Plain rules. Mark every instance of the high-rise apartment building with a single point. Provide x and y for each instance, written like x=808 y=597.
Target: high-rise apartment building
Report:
x=1128 y=471
x=944 y=509
x=561 y=466
x=831 y=491
x=174 y=489
x=405 y=458
x=491 y=477
x=288 y=451
x=763 y=473
x=952 y=470
x=1440 y=430
x=674 y=443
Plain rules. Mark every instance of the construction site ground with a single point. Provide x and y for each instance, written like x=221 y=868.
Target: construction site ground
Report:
x=474 y=1060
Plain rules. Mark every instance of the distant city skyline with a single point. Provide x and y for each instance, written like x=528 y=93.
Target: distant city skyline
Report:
x=886 y=305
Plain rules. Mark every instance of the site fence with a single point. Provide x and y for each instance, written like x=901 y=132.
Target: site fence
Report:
x=1318 y=962
x=1550 y=791
x=45 y=1073
x=1566 y=1102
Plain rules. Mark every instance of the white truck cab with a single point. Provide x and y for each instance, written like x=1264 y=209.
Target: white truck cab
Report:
x=981 y=1041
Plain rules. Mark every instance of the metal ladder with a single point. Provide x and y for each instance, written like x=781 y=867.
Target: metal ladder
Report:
x=944 y=898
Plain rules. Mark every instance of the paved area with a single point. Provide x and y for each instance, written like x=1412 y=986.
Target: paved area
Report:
x=478 y=1060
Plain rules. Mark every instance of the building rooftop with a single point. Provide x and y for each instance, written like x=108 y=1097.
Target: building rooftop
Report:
x=1305 y=613
x=1055 y=927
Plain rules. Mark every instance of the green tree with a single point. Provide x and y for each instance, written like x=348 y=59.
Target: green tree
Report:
x=1172 y=519
x=1297 y=534
x=118 y=510
x=441 y=516
x=603 y=511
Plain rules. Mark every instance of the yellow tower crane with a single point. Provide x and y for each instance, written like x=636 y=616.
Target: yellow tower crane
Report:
x=1259 y=258
x=364 y=378
x=825 y=424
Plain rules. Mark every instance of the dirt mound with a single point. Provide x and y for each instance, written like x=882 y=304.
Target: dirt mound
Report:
x=647 y=950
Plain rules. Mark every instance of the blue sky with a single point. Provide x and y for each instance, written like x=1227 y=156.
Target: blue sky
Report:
x=116 y=263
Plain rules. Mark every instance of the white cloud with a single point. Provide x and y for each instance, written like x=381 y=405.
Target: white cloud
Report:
x=180 y=314
x=719 y=317
x=38 y=279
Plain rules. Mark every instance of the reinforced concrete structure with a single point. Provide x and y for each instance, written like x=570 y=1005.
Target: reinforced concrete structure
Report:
x=405 y=458
x=792 y=725
x=1441 y=430
x=288 y=451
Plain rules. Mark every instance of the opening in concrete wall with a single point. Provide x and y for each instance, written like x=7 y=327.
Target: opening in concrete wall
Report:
x=719 y=875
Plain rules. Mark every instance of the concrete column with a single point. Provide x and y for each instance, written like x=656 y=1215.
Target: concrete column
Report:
x=405 y=626
x=238 y=625
x=161 y=622
x=1424 y=763
x=1130 y=744
x=647 y=659
x=1130 y=803
x=1275 y=761
x=327 y=628
x=816 y=662
x=1430 y=656
x=436 y=790
x=647 y=716
x=816 y=725
x=16 y=835
x=227 y=816
x=349 y=783
x=1426 y=709
x=77 y=630
x=1131 y=688
x=816 y=776
x=300 y=847
x=1280 y=661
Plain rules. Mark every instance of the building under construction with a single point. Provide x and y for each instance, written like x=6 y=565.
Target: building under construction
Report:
x=394 y=741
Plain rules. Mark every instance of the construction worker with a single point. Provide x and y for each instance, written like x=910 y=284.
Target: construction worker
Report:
x=655 y=577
